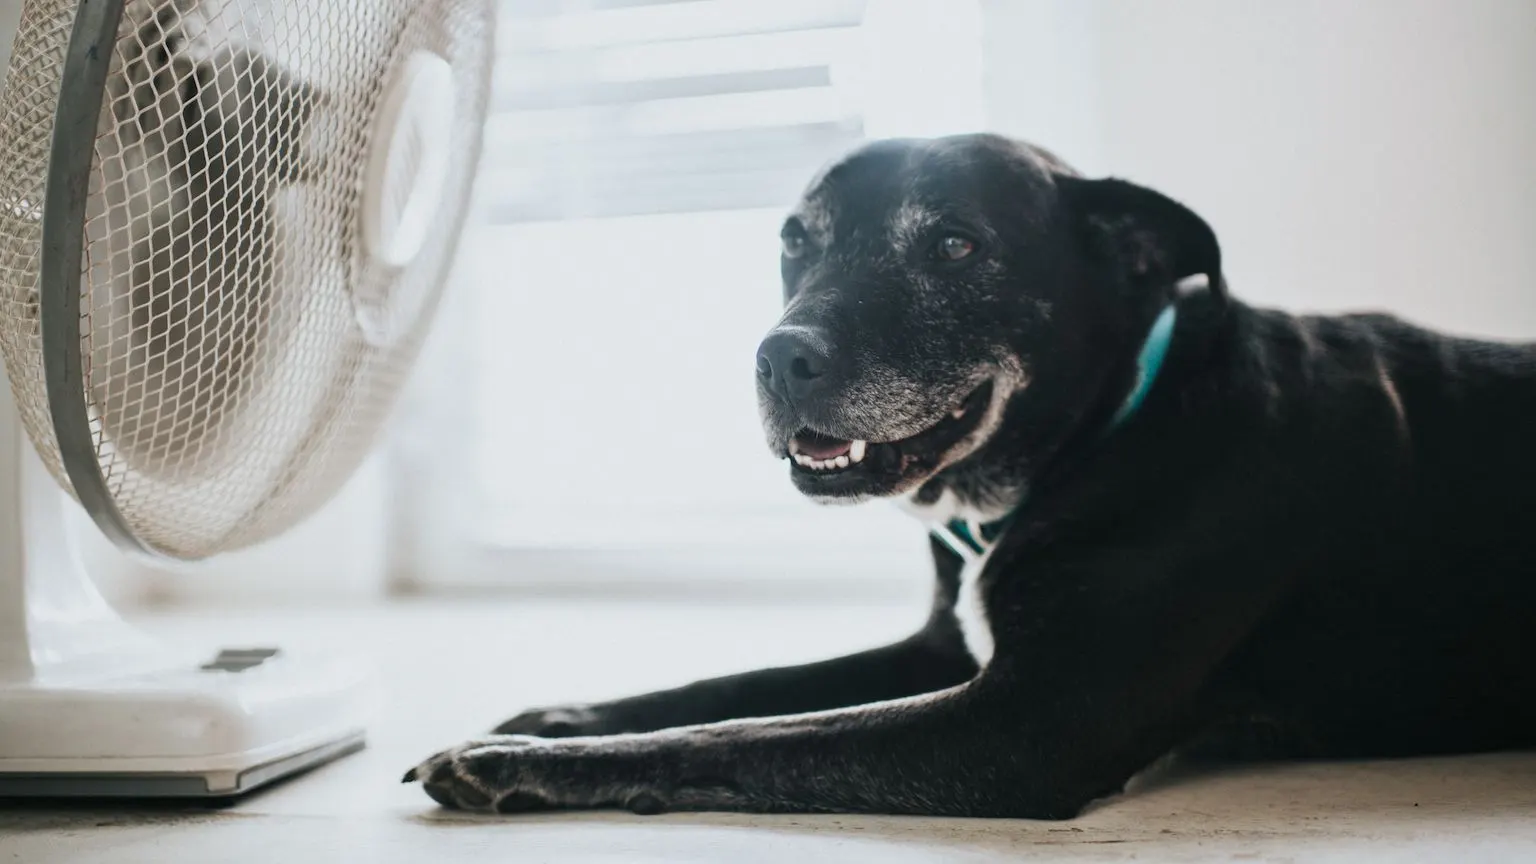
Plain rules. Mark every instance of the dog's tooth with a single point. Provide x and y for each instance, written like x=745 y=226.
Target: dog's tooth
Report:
x=841 y=461
x=856 y=451
x=958 y=412
x=794 y=447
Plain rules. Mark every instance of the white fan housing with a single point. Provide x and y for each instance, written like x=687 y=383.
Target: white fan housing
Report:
x=224 y=230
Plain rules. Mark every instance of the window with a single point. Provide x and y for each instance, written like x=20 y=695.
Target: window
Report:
x=624 y=265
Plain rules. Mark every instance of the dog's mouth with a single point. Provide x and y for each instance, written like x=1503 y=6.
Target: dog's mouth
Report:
x=824 y=465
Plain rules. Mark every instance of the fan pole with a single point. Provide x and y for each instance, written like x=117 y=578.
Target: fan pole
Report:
x=52 y=618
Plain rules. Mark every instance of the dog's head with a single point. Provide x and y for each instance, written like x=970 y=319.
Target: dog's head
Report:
x=939 y=291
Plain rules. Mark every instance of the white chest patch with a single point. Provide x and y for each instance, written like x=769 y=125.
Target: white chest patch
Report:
x=971 y=612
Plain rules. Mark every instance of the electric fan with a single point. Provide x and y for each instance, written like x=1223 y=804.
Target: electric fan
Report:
x=224 y=227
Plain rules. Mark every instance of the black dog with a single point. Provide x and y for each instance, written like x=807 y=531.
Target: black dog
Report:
x=1163 y=521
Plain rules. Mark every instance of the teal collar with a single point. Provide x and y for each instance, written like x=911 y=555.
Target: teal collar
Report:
x=971 y=539
x=1148 y=363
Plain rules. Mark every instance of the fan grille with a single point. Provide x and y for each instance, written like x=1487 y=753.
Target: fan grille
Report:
x=240 y=345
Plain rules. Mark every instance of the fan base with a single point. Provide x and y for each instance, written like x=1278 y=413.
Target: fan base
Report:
x=90 y=707
x=200 y=728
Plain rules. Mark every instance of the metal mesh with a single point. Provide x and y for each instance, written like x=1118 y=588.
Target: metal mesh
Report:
x=236 y=336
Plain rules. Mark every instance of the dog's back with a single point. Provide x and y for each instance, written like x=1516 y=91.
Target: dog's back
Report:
x=1413 y=625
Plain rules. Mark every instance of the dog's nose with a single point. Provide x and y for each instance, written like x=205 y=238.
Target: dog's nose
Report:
x=793 y=363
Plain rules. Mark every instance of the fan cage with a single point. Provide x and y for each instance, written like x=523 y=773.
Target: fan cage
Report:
x=221 y=350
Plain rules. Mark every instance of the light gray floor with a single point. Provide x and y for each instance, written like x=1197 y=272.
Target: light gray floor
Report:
x=453 y=669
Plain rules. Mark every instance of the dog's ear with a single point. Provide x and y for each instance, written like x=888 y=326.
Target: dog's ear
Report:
x=1152 y=241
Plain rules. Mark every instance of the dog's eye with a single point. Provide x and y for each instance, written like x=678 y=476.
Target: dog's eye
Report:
x=794 y=242
x=953 y=248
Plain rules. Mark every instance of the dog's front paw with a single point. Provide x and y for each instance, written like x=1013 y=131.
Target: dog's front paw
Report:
x=518 y=773
x=478 y=775
x=567 y=721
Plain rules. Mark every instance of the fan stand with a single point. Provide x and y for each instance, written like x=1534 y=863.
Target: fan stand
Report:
x=91 y=707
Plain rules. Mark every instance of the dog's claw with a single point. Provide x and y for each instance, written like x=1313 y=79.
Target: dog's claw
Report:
x=410 y=776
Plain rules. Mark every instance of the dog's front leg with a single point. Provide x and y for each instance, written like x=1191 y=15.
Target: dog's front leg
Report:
x=1100 y=668
x=952 y=753
x=928 y=661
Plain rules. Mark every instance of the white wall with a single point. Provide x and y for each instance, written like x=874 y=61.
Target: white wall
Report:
x=1043 y=78
x=1349 y=153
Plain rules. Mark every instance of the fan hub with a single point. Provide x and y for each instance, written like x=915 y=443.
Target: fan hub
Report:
x=405 y=177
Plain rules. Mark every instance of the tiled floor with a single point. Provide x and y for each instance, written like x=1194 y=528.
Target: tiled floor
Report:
x=452 y=669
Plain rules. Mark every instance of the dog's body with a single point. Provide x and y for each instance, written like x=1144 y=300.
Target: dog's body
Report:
x=1297 y=537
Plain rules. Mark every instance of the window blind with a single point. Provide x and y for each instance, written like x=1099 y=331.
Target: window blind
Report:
x=628 y=107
